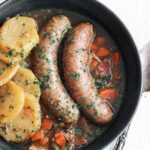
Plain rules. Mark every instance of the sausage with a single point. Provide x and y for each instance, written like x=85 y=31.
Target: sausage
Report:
x=45 y=67
x=77 y=77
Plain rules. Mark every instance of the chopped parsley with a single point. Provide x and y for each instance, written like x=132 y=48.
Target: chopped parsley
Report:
x=75 y=76
x=18 y=137
x=45 y=34
x=24 y=24
x=61 y=17
x=4 y=129
x=27 y=82
x=11 y=107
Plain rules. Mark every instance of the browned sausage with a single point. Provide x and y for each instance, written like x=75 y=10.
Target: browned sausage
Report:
x=77 y=77
x=45 y=68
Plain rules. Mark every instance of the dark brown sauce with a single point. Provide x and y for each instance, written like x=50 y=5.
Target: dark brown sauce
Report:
x=92 y=131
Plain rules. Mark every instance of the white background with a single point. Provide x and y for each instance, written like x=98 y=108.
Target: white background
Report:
x=135 y=14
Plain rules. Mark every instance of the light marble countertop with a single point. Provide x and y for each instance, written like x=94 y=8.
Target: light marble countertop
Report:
x=135 y=15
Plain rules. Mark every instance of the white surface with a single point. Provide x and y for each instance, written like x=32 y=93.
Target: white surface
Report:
x=139 y=132
x=135 y=15
x=2 y=1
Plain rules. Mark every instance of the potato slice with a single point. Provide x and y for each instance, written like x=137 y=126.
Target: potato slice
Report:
x=28 y=81
x=13 y=59
x=18 y=35
x=11 y=101
x=7 y=72
x=25 y=124
x=9 y=60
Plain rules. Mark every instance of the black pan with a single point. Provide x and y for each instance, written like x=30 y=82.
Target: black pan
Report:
x=100 y=14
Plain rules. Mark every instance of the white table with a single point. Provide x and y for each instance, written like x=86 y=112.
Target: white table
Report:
x=135 y=15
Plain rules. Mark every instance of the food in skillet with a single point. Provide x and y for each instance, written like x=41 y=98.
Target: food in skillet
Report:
x=7 y=71
x=25 y=124
x=18 y=36
x=34 y=122
x=28 y=81
x=45 y=68
x=19 y=109
x=11 y=101
x=77 y=77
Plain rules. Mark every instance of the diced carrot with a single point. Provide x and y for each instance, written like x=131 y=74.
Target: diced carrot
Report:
x=37 y=136
x=57 y=101
x=46 y=124
x=60 y=140
x=44 y=140
x=94 y=47
x=100 y=41
x=93 y=63
x=80 y=140
x=102 y=52
x=116 y=75
x=116 y=58
x=108 y=94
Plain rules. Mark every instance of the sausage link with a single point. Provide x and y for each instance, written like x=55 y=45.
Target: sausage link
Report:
x=45 y=67
x=77 y=77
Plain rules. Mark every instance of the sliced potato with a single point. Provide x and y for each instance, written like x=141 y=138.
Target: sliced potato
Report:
x=28 y=81
x=6 y=59
x=25 y=124
x=11 y=101
x=7 y=72
x=18 y=35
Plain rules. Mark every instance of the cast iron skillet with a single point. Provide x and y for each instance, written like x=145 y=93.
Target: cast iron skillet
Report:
x=120 y=35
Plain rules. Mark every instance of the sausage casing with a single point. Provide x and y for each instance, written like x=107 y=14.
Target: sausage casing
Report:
x=77 y=77
x=45 y=67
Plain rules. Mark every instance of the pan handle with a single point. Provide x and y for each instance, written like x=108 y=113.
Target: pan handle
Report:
x=145 y=63
x=3 y=1
x=121 y=140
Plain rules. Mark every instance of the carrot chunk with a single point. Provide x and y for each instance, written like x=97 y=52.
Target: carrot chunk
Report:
x=102 y=52
x=116 y=75
x=93 y=63
x=100 y=41
x=37 y=136
x=108 y=94
x=79 y=140
x=60 y=140
x=44 y=140
x=116 y=58
x=94 y=47
x=46 y=124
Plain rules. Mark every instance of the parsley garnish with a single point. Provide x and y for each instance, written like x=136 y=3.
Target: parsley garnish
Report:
x=75 y=76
